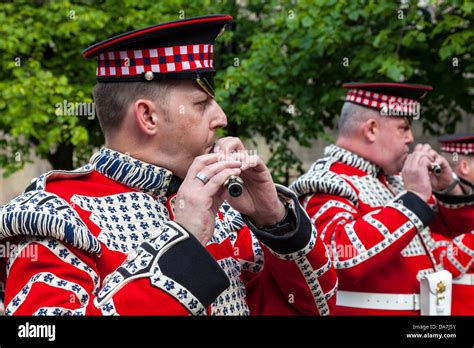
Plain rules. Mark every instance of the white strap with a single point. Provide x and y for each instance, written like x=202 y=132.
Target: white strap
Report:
x=467 y=279
x=369 y=300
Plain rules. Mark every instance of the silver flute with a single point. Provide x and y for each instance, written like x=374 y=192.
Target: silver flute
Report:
x=435 y=169
x=235 y=185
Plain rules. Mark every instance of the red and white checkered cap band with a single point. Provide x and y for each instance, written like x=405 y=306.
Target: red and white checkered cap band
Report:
x=379 y=101
x=462 y=148
x=157 y=60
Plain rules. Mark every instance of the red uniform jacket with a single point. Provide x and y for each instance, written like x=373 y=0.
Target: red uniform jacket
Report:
x=376 y=231
x=101 y=241
x=457 y=256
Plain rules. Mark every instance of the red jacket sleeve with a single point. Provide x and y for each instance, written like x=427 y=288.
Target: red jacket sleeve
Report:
x=455 y=215
x=457 y=255
x=361 y=244
x=287 y=274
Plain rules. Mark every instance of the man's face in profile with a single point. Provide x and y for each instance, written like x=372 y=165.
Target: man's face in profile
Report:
x=193 y=118
x=393 y=140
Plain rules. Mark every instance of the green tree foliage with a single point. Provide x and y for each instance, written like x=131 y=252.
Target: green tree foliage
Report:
x=281 y=66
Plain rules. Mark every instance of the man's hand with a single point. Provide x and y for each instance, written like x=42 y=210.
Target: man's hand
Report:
x=259 y=199
x=442 y=181
x=197 y=202
x=438 y=182
x=416 y=176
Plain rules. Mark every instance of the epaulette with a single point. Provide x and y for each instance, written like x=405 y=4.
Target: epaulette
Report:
x=320 y=179
x=37 y=212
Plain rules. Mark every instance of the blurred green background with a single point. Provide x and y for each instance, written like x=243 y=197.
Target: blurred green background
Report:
x=280 y=67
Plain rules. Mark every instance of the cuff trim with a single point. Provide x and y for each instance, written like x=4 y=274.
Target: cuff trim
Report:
x=297 y=242
x=414 y=208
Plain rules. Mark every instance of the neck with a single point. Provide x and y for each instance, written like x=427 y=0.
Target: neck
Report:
x=147 y=152
x=363 y=149
x=359 y=147
x=355 y=146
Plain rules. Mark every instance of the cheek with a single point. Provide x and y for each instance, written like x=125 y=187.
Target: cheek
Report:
x=189 y=121
x=386 y=142
x=195 y=130
x=471 y=174
x=393 y=148
x=396 y=140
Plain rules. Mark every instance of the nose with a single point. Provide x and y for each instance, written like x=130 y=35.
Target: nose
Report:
x=409 y=137
x=219 y=119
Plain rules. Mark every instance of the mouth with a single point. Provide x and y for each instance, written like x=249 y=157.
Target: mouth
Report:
x=404 y=157
x=211 y=147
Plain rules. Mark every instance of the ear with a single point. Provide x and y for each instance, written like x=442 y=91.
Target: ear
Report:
x=146 y=116
x=371 y=130
x=463 y=168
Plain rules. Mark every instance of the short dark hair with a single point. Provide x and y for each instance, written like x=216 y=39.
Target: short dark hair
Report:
x=112 y=100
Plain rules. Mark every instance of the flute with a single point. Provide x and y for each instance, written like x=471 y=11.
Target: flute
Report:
x=435 y=169
x=235 y=185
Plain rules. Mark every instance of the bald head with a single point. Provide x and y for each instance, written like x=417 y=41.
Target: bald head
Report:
x=382 y=140
x=353 y=118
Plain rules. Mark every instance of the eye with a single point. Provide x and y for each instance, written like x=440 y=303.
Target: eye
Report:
x=202 y=103
x=405 y=128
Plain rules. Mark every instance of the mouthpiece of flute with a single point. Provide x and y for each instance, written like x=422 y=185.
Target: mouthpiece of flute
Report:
x=435 y=169
x=235 y=185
